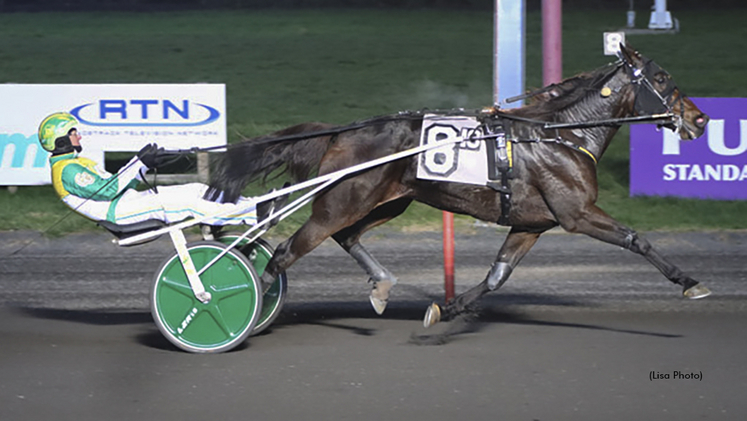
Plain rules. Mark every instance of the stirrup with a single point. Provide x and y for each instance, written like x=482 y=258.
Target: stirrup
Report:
x=210 y=232
x=496 y=185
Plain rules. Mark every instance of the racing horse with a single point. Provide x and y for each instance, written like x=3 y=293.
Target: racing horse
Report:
x=557 y=141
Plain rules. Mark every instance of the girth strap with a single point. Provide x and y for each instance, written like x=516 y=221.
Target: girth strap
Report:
x=500 y=165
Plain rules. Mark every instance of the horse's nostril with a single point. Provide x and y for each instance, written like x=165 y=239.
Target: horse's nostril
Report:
x=701 y=121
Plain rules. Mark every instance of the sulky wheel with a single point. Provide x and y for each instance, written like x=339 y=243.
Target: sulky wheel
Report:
x=259 y=254
x=222 y=323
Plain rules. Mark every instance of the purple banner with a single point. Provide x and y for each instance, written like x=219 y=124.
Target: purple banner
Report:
x=713 y=166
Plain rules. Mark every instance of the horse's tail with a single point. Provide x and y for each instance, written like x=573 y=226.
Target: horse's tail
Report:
x=257 y=158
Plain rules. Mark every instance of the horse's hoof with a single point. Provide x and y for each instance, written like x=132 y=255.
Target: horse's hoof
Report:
x=697 y=291
x=432 y=315
x=378 y=304
x=380 y=295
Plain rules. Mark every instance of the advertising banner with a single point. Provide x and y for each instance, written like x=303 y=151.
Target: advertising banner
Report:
x=113 y=118
x=711 y=167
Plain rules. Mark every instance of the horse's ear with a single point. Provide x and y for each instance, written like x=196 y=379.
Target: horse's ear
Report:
x=630 y=55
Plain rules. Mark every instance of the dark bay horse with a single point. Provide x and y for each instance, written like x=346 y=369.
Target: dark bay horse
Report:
x=556 y=141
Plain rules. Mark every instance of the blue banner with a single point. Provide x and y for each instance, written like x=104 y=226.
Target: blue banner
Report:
x=711 y=167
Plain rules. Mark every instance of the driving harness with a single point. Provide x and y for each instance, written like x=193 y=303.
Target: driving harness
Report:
x=500 y=159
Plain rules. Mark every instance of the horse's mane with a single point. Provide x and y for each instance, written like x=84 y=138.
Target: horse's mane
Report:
x=564 y=94
x=254 y=159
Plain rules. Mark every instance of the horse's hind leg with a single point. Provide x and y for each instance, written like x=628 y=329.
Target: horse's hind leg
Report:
x=342 y=206
x=349 y=239
x=515 y=247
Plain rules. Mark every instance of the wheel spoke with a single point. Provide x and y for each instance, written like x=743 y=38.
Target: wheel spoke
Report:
x=220 y=321
x=185 y=290
x=232 y=290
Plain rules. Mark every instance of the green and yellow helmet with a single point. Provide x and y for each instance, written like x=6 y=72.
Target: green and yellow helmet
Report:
x=54 y=126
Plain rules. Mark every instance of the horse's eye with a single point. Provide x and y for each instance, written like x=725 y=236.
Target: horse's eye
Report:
x=660 y=78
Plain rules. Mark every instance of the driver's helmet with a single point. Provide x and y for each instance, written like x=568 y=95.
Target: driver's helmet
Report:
x=55 y=126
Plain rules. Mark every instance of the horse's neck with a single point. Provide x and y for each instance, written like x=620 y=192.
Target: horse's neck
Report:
x=596 y=107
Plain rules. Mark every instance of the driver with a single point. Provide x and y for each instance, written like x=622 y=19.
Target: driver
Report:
x=91 y=191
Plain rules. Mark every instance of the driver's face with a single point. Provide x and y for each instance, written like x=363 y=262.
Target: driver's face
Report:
x=75 y=137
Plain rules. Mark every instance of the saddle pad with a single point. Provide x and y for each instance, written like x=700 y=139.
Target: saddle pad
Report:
x=464 y=162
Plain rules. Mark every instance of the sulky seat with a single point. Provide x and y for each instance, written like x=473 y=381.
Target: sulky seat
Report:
x=129 y=230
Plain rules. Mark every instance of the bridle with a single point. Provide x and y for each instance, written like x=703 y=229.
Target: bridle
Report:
x=650 y=105
x=648 y=100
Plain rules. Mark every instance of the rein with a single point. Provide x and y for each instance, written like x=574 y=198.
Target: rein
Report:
x=402 y=115
x=591 y=123
x=638 y=76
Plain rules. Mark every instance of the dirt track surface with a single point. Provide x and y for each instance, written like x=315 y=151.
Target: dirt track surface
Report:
x=581 y=331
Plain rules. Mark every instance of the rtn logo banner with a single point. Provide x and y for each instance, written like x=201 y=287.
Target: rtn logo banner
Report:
x=711 y=167
x=150 y=112
x=112 y=117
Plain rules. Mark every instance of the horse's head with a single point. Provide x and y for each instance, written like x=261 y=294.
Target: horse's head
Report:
x=656 y=93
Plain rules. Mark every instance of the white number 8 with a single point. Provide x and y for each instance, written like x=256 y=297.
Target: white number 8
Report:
x=612 y=41
x=441 y=161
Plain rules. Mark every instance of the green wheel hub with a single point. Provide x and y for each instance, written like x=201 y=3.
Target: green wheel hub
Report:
x=223 y=322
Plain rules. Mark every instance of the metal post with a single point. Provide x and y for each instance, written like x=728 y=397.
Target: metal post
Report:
x=496 y=64
x=448 y=239
x=552 y=42
x=660 y=16
x=203 y=167
x=509 y=51
x=631 y=16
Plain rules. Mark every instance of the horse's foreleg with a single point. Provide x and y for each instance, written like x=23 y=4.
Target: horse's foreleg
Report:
x=515 y=247
x=349 y=239
x=597 y=224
